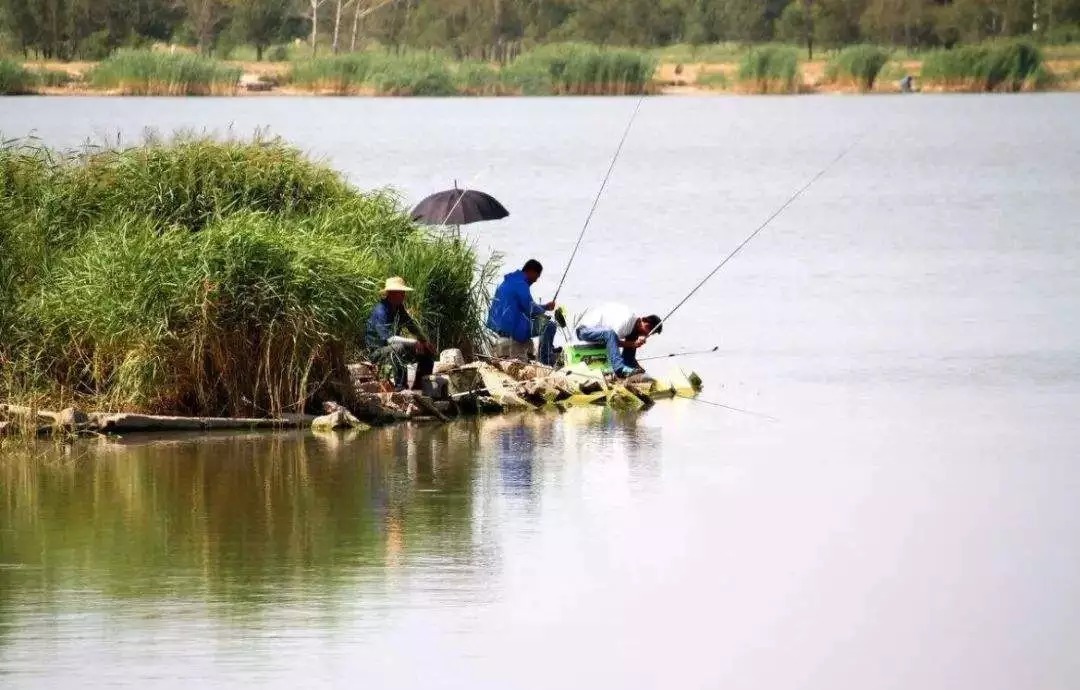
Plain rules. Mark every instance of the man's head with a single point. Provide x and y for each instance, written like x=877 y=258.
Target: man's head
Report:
x=649 y=325
x=396 y=290
x=532 y=270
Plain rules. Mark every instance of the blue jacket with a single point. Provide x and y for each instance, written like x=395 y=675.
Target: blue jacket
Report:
x=512 y=309
x=385 y=322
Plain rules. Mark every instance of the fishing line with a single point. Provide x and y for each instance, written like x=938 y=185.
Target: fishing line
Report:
x=680 y=354
x=596 y=201
x=755 y=233
x=729 y=407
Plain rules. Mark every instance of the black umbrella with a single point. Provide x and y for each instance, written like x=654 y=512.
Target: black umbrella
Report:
x=458 y=207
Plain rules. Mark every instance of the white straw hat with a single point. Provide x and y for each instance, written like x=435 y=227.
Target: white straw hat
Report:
x=396 y=284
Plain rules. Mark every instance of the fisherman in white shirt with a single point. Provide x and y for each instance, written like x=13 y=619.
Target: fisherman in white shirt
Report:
x=621 y=331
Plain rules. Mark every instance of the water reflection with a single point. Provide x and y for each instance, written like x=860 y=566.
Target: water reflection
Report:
x=288 y=531
x=240 y=519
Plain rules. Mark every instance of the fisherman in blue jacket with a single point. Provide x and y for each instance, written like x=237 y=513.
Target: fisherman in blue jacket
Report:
x=513 y=312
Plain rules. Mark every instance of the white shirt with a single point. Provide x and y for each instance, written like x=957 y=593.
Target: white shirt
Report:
x=613 y=316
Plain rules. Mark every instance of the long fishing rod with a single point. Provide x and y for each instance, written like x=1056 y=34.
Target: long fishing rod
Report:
x=457 y=202
x=755 y=233
x=599 y=193
x=680 y=354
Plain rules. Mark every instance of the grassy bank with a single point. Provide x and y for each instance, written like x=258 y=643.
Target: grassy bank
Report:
x=202 y=277
x=573 y=69
x=147 y=73
x=570 y=69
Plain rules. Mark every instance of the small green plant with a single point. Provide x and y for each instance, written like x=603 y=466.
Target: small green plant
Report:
x=713 y=80
x=149 y=73
x=857 y=65
x=771 y=68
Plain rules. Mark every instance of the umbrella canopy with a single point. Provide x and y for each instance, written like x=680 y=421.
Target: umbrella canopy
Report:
x=458 y=207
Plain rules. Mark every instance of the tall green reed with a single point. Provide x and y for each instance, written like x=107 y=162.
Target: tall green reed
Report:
x=206 y=277
x=770 y=68
x=150 y=73
x=15 y=79
x=996 y=66
x=857 y=65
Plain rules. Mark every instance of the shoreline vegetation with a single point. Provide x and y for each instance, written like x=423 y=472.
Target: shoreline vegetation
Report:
x=203 y=277
x=194 y=284
x=561 y=69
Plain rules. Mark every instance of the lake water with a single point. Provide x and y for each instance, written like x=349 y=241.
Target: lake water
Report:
x=912 y=322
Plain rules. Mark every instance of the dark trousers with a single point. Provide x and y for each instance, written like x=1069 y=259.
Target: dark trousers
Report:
x=399 y=360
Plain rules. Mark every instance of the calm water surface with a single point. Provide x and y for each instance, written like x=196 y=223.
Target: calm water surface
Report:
x=913 y=322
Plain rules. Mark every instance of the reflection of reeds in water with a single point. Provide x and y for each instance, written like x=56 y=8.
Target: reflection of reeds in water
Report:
x=234 y=519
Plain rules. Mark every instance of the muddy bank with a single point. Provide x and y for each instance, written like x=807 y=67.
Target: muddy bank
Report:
x=457 y=389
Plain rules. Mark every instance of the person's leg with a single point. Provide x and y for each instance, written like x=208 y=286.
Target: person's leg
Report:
x=547 y=345
x=629 y=355
x=608 y=338
x=425 y=364
x=388 y=361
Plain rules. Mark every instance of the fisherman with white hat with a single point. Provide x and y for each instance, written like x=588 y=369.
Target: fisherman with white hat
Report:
x=384 y=342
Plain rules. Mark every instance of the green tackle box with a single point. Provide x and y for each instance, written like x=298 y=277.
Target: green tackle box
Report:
x=593 y=356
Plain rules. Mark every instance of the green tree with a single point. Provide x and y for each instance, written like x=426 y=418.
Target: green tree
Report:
x=260 y=22
x=207 y=18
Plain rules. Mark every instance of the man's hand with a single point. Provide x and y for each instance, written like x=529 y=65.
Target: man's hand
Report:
x=550 y=306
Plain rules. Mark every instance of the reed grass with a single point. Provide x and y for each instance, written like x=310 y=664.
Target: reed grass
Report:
x=857 y=66
x=205 y=277
x=475 y=78
x=54 y=78
x=149 y=73
x=15 y=79
x=581 y=69
x=998 y=66
x=380 y=72
x=770 y=68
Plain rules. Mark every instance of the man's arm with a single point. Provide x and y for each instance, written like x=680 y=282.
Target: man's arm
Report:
x=408 y=322
x=526 y=303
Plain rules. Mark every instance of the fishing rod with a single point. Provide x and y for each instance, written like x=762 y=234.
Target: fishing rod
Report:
x=791 y=199
x=599 y=193
x=468 y=185
x=680 y=354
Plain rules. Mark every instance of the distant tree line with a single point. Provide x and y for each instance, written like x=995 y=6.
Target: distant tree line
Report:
x=496 y=29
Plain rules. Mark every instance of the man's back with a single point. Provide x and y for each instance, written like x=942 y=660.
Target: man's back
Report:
x=608 y=316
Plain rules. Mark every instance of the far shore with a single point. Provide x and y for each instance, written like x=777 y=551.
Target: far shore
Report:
x=670 y=79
